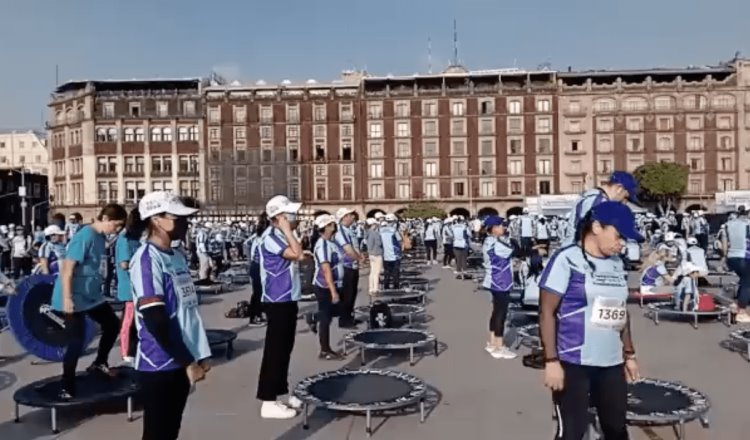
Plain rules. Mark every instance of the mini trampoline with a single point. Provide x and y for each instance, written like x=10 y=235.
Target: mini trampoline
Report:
x=209 y=288
x=406 y=274
x=390 y=339
x=400 y=296
x=398 y=311
x=653 y=402
x=91 y=389
x=742 y=336
x=234 y=277
x=528 y=336
x=361 y=391
x=642 y=298
x=667 y=309
x=415 y=283
x=217 y=337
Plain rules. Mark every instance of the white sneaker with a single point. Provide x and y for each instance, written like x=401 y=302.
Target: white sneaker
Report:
x=128 y=362
x=446 y=267
x=294 y=403
x=276 y=410
x=489 y=348
x=504 y=353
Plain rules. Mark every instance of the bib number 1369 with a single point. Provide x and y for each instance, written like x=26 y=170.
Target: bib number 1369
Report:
x=607 y=314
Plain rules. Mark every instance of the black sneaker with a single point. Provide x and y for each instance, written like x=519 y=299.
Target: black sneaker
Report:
x=102 y=369
x=256 y=322
x=330 y=355
x=311 y=322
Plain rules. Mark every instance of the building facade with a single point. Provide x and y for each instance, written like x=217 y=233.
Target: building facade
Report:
x=112 y=141
x=24 y=149
x=466 y=140
x=24 y=196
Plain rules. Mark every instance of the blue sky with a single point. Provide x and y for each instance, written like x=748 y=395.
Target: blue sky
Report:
x=298 y=39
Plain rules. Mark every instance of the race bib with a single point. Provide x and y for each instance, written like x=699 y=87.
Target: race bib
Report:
x=185 y=290
x=609 y=313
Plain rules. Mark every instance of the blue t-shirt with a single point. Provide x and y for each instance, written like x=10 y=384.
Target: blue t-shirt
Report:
x=124 y=250
x=391 y=243
x=460 y=236
x=342 y=238
x=279 y=277
x=432 y=232
x=498 y=274
x=328 y=252
x=161 y=277
x=87 y=250
x=653 y=274
x=738 y=238
x=592 y=309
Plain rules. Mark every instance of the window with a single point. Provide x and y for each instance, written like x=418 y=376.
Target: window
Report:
x=292 y=131
x=604 y=105
x=162 y=109
x=605 y=145
x=543 y=125
x=376 y=191
x=487 y=189
x=129 y=135
x=430 y=169
x=319 y=130
x=431 y=190
x=457 y=108
x=724 y=122
x=347 y=189
x=605 y=166
x=544 y=166
x=695 y=122
x=404 y=191
x=430 y=128
x=604 y=124
x=459 y=189
x=429 y=109
x=486 y=147
x=240 y=114
x=634 y=144
x=664 y=103
x=319 y=112
x=696 y=186
x=574 y=126
x=266 y=115
x=635 y=104
x=725 y=142
x=695 y=143
x=214 y=115
x=101 y=164
x=294 y=190
x=634 y=124
x=574 y=107
x=664 y=124
x=347 y=130
x=515 y=146
x=108 y=110
x=723 y=101
x=515 y=167
x=727 y=184
x=111 y=166
x=346 y=113
x=292 y=113
x=487 y=107
x=134 y=108
x=183 y=134
x=167 y=134
x=514 y=107
x=694 y=102
x=266 y=189
x=266 y=132
x=156 y=135
x=402 y=109
x=430 y=148
x=155 y=164
x=487 y=167
x=543 y=105
x=695 y=164
x=576 y=186
x=375 y=111
x=140 y=134
x=545 y=187
x=346 y=170
x=320 y=150
x=403 y=149
x=544 y=146
x=376 y=130
x=214 y=134
x=130 y=194
x=376 y=150
x=459 y=168
x=665 y=143
x=102 y=190
x=188 y=108
x=402 y=129
x=516 y=188
x=486 y=126
x=457 y=127
x=346 y=151
x=140 y=161
x=458 y=148
x=376 y=170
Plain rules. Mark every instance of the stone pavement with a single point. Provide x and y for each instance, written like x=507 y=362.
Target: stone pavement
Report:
x=476 y=396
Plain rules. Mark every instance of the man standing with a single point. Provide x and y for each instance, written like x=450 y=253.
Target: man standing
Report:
x=347 y=240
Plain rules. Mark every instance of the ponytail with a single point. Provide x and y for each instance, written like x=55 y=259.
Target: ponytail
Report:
x=135 y=226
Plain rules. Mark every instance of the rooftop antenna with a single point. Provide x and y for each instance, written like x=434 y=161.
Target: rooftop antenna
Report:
x=429 y=55
x=455 y=43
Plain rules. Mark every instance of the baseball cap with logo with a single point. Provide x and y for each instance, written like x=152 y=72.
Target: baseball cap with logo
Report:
x=343 y=212
x=281 y=205
x=628 y=182
x=619 y=216
x=493 y=220
x=163 y=202
x=324 y=220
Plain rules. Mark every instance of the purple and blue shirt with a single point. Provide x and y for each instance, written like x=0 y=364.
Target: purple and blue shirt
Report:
x=327 y=251
x=280 y=278
x=498 y=273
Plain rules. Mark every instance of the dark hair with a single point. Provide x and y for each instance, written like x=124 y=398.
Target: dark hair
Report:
x=79 y=217
x=584 y=227
x=190 y=202
x=58 y=216
x=134 y=225
x=263 y=223
x=113 y=211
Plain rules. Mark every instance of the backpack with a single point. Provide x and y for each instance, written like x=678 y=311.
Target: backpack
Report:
x=706 y=303
x=380 y=316
x=241 y=311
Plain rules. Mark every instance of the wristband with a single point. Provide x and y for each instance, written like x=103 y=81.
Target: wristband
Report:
x=551 y=360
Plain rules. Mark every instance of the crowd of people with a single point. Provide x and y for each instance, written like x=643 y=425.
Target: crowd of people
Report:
x=572 y=267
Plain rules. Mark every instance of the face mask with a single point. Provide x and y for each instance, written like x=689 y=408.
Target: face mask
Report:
x=180 y=229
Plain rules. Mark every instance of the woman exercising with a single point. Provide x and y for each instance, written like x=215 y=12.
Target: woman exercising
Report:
x=328 y=279
x=126 y=244
x=78 y=293
x=52 y=250
x=173 y=347
x=498 y=279
x=655 y=278
x=584 y=325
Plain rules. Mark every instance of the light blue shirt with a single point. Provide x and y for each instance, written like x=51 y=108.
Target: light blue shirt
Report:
x=460 y=236
x=498 y=273
x=527 y=226
x=86 y=248
x=345 y=237
x=432 y=232
x=654 y=275
x=54 y=253
x=161 y=277
x=279 y=277
x=328 y=252
x=581 y=339
x=737 y=237
x=391 y=243
x=588 y=200
x=448 y=234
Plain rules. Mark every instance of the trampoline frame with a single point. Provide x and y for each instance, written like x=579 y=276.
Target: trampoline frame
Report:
x=525 y=338
x=653 y=311
x=53 y=408
x=405 y=295
x=363 y=346
x=229 y=343
x=737 y=336
x=215 y=289
x=416 y=310
x=418 y=392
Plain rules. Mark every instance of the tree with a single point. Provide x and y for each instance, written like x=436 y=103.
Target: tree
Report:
x=423 y=210
x=662 y=182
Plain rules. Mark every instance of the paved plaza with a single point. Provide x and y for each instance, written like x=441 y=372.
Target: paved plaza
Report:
x=474 y=396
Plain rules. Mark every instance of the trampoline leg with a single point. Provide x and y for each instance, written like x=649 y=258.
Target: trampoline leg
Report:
x=655 y=316
x=695 y=321
x=305 y=425
x=130 y=409
x=437 y=350
x=681 y=430
x=421 y=410
x=410 y=320
x=344 y=347
x=230 y=350
x=748 y=351
x=53 y=414
x=411 y=356
x=17 y=419
x=368 y=423
x=362 y=355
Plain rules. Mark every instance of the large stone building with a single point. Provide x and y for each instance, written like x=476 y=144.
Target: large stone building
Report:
x=24 y=149
x=467 y=140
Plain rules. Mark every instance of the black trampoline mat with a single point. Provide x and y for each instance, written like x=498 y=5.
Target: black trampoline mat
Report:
x=390 y=337
x=90 y=389
x=403 y=309
x=360 y=389
x=216 y=337
x=649 y=398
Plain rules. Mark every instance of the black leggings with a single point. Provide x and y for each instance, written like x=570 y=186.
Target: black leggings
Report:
x=603 y=388
x=431 y=246
x=500 y=302
x=164 y=395
x=447 y=254
x=392 y=274
x=277 y=350
x=255 y=298
x=326 y=311
x=348 y=292
x=75 y=334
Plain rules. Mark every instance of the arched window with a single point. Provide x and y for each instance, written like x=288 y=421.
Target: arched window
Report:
x=604 y=105
x=101 y=135
x=635 y=104
x=112 y=135
x=129 y=135
x=79 y=112
x=70 y=115
x=59 y=117
x=723 y=101
x=182 y=134
x=664 y=103
x=693 y=102
x=156 y=134
x=194 y=133
x=167 y=134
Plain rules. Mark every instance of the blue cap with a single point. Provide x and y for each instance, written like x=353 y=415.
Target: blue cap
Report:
x=620 y=217
x=628 y=182
x=493 y=220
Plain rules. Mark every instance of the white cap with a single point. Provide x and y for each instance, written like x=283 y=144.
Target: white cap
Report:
x=281 y=204
x=343 y=212
x=324 y=220
x=390 y=217
x=379 y=215
x=207 y=224
x=371 y=221
x=163 y=202
x=669 y=236
x=53 y=230
x=525 y=210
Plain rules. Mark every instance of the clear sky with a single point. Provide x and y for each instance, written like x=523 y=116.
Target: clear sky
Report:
x=301 y=39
